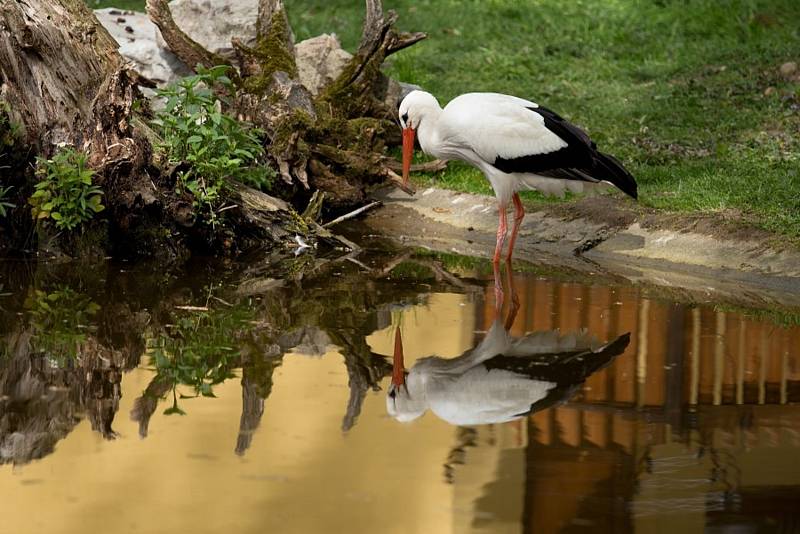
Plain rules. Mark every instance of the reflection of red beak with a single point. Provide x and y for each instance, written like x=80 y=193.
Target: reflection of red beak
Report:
x=398 y=370
x=408 y=151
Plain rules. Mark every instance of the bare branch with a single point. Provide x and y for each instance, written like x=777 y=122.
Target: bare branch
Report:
x=266 y=11
x=397 y=181
x=188 y=50
x=373 y=22
x=354 y=213
x=404 y=40
x=437 y=165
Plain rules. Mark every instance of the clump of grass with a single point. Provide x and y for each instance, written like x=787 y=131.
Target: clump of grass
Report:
x=65 y=192
x=217 y=147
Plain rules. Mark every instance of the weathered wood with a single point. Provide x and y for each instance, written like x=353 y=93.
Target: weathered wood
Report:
x=54 y=59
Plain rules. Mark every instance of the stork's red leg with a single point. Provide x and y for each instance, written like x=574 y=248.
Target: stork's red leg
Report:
x=513 y=307
x=502 y=229
x=519 y=214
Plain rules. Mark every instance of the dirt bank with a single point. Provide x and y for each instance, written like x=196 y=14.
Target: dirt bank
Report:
x=708 y=261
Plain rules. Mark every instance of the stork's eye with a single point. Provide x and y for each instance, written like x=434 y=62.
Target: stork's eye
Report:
x=405 y=117
x=392 y=393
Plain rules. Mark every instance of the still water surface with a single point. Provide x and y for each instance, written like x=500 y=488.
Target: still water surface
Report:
x=222 y=399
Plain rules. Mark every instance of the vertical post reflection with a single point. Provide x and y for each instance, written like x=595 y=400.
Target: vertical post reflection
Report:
x=641 y=353
x=695 y=357
x=719 y=357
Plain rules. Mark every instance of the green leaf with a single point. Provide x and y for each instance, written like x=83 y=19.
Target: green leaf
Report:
x=174 y=410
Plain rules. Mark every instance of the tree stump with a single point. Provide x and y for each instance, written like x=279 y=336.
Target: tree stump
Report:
x=334 y=141
x=63 y=82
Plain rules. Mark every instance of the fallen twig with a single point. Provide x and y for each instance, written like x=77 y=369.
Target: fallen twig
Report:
x=397 y=180
x=352 y=214
x=437 y=165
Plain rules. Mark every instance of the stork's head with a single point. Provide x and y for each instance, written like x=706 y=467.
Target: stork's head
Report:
x=414 y=108
x=400 y=403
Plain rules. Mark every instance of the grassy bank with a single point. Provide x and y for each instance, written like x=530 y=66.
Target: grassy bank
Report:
x=687 y=93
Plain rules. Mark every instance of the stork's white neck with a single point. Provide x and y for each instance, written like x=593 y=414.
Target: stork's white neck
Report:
x=427 y=129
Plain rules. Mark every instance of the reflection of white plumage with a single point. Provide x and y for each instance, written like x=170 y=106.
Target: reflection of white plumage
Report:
x=501 y=379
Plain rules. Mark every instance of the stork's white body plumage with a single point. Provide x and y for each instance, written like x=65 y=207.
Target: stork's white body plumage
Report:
x=499 y=380
x=480 y=127
x=516 y=143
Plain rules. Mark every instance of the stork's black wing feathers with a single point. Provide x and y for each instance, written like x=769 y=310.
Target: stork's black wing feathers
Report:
x=579 y=160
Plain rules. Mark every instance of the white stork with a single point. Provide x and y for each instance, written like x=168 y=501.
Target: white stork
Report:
x=516 y=143
x=501 y=379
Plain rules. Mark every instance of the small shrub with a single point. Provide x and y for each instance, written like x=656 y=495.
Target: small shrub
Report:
x=5 y=205
x=9 y=130
x=65 y=192
x=216 y=146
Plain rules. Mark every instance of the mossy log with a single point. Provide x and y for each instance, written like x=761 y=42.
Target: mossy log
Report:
x=334 y=141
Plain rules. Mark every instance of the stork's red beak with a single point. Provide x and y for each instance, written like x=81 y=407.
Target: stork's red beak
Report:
x=408 y=151
x=398 y=370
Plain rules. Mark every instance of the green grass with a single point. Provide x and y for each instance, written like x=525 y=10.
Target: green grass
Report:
x=675 y=88
x=133 y=5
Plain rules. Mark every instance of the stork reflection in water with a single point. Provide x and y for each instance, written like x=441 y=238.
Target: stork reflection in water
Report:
x=501 y=379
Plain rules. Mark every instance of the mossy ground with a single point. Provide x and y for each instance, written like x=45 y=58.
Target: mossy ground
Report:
x=687 y=94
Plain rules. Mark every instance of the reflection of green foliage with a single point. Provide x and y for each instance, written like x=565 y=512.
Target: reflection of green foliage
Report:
x=779 y=317
x=5 y=205
x=60 y=321
x=409 y=270
x=198 y=350
x=457 y=263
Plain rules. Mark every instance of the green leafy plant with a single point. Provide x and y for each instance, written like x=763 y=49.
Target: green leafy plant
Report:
x=9 y=130
x=216 y=146
x=60 y=320
x=65 y=192
x=5 y=205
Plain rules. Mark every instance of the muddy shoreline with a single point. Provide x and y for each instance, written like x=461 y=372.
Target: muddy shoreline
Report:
x=689 y=257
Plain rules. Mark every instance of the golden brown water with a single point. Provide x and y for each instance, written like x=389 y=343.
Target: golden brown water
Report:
x=695 y=426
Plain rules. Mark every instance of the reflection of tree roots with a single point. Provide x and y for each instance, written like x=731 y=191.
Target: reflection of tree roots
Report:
x=466 y=437
x=249 y=327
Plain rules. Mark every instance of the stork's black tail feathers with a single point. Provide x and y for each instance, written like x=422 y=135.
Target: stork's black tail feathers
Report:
x=609 y=169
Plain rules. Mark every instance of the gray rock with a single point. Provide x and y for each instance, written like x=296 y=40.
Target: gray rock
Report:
x=136 y=36
x=788 y=69
x=213 y=23
x=320 y=60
